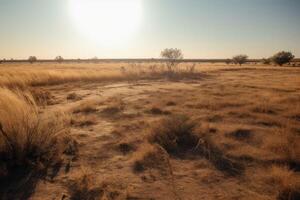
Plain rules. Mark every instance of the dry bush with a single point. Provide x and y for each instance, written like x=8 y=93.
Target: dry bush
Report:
x=151 y=157
x=137 y=72
x=73 y=96
x=126 y=146
x=286 y=182
x=178 y=136
x=114 y=107
x=285 y=144
x=157 y=111
x=30 y=143
x=86 y=107
x=42 y=97
x=85 y=187
x=175 y=134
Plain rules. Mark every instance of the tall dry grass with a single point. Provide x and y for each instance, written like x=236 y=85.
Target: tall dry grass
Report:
x=30 y=142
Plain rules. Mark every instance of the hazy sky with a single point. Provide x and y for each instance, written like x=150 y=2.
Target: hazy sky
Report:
x=201 y=28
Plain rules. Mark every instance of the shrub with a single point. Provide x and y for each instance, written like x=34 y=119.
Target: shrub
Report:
x=30 y=142
x=32 y=59
x=172 y=56
x=282 y=57
x=177 y=135
x=266 y=61
x=228 y=61
x=240 y=59
x=151 y=157
x=59 y=59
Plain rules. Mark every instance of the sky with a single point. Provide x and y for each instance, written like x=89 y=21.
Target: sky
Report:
x=200 y=28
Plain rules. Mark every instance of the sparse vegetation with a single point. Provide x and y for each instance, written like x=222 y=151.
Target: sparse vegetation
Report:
x=131 y=131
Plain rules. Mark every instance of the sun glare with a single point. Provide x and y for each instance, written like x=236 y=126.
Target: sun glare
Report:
x=108 y=22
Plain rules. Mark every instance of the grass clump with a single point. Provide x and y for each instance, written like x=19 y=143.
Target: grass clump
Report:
x=178 y=136
x=86 y=107
x=86 y=187
x=175 y=134
x=286 y=182
x=150 y=157
x=285 y=144
x=31 y=143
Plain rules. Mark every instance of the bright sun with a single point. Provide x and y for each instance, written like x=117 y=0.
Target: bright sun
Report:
x=108 y=22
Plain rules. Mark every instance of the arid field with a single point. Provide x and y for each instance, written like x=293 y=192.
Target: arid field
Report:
x=121 y=131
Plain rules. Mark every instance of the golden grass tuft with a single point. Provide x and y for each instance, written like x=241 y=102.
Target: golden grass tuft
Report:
x=86 y=187
x=86 y=107
x=285 y=144
x=286 y=181
x=150 y=157
x=175 y=134
x=29 y=141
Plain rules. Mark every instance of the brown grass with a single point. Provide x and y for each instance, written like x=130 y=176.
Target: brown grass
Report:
x=286 y=181
x=30 y=142
x=86 y=187
x=175 y=134
x=150 y=157
x=285 y=144
x=86 y=107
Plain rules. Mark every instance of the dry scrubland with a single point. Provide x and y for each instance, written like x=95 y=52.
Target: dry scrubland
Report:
x=125 y=131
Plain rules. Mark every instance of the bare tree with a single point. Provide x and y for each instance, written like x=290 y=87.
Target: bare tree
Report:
x=282 y=57
x=32 y=59
x=59 y=59
x=173 y=57
x=240 y=59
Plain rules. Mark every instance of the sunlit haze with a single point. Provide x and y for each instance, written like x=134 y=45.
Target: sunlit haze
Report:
x=142 y=28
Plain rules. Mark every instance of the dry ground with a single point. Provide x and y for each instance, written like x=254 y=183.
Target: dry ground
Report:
x=251 y=115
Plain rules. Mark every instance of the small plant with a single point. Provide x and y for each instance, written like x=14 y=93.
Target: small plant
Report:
x=240 y=59
x=282 y=58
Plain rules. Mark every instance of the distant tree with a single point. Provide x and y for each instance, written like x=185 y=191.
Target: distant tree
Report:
x=266 y=61
x=59 y=59
x=32 y=59
x=282 y=57
x=240 y=59
x=172 y=56
x=228 y=61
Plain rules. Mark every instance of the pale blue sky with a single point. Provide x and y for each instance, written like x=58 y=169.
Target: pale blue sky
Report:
x=201 y=28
